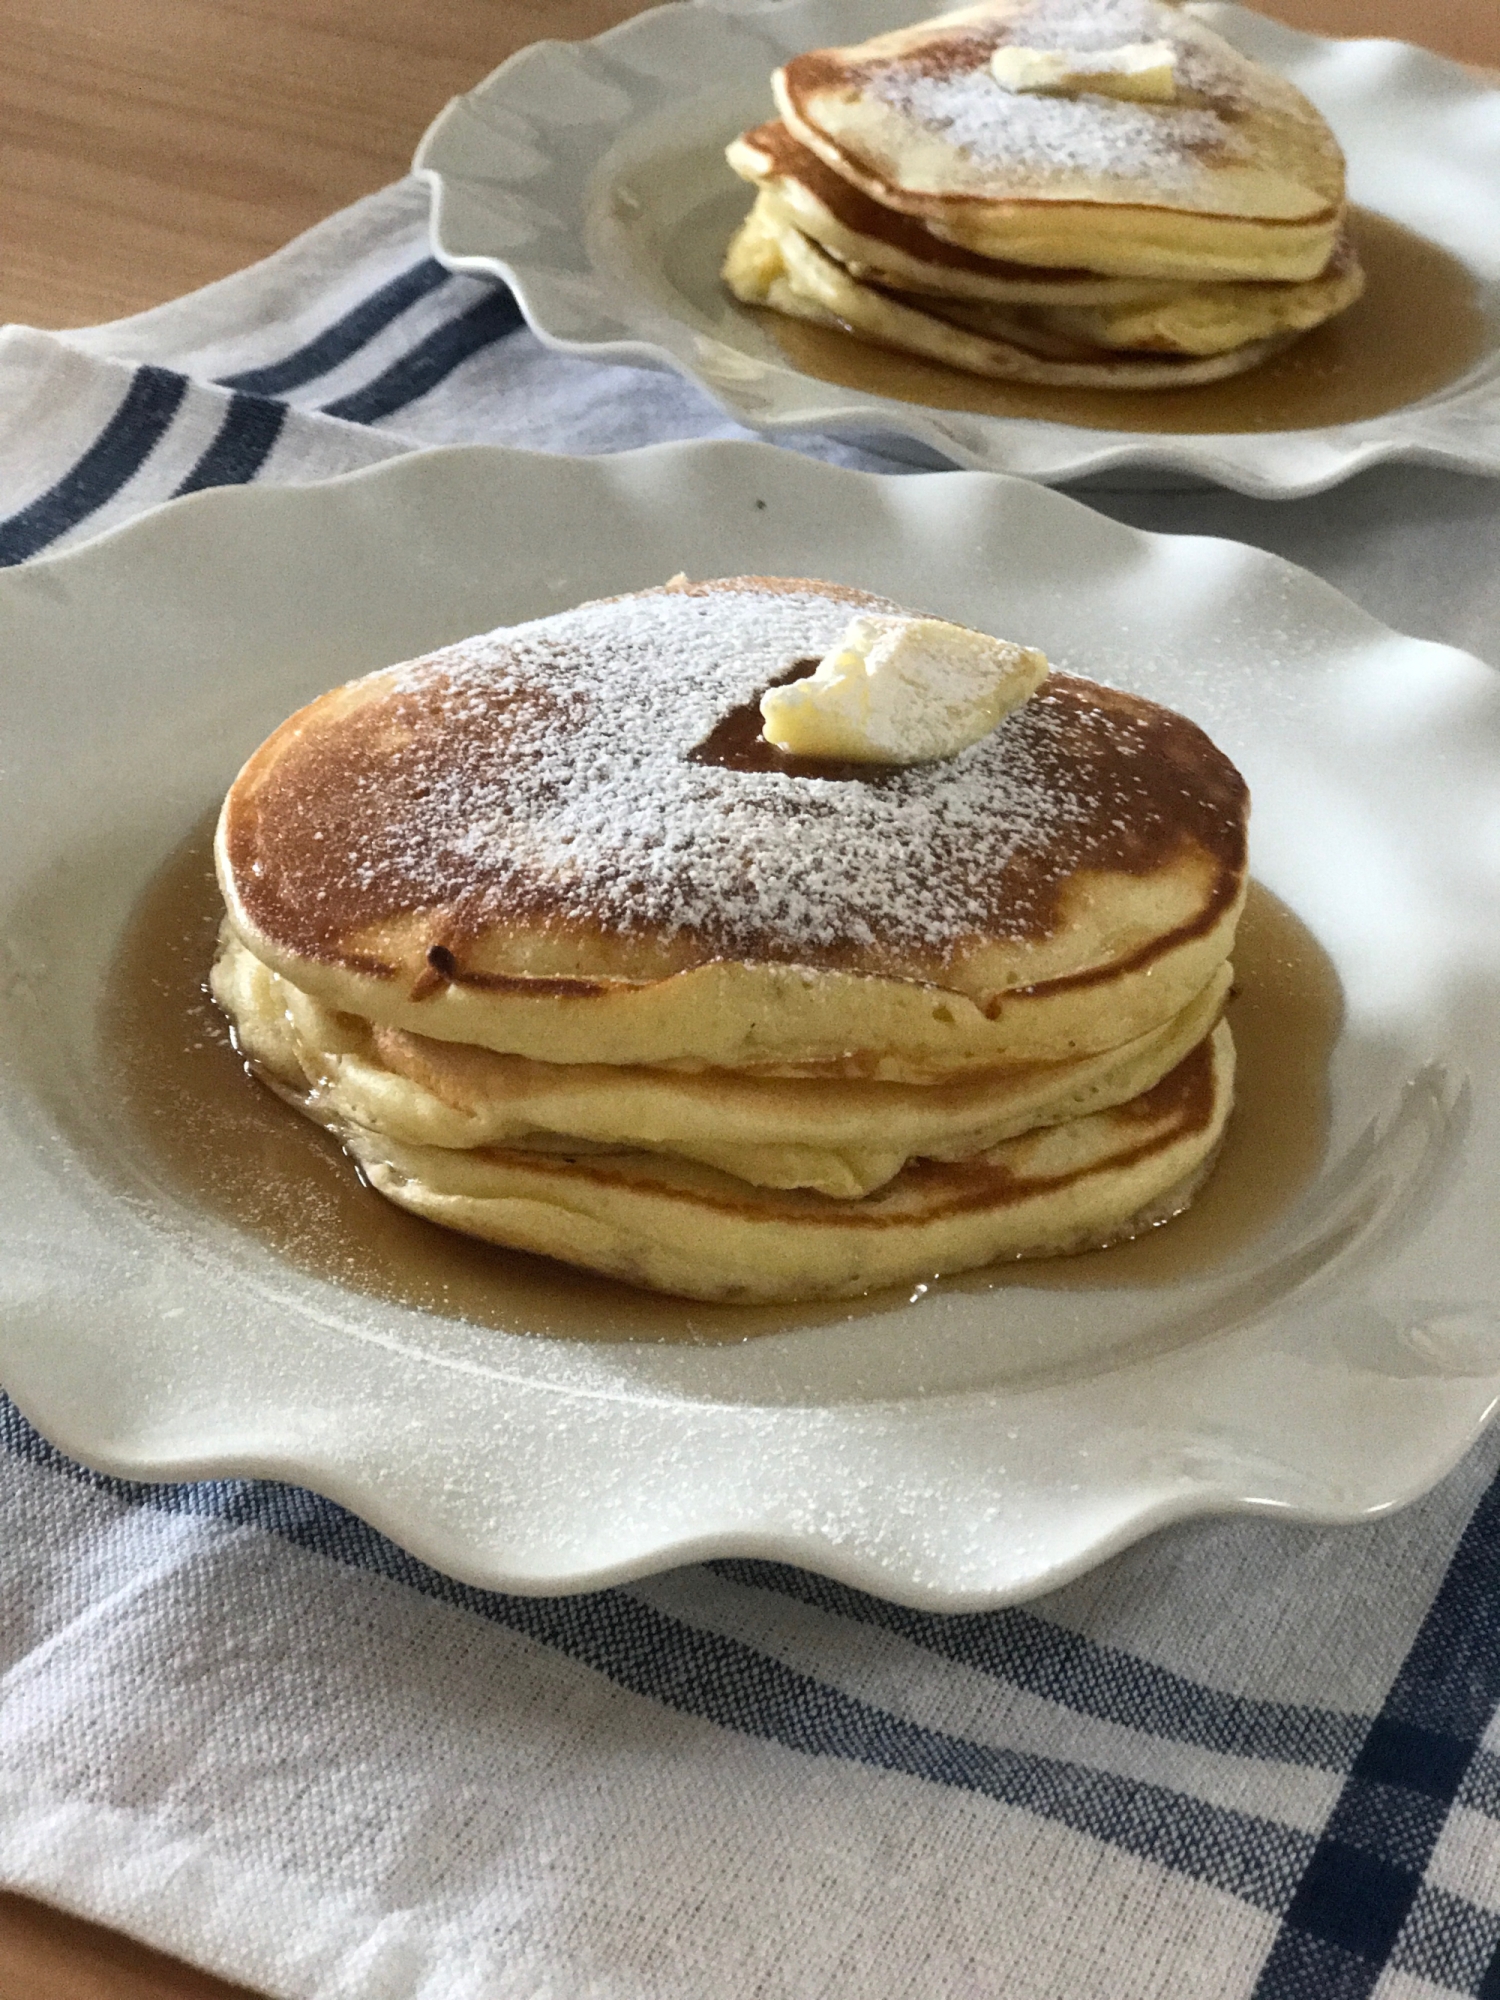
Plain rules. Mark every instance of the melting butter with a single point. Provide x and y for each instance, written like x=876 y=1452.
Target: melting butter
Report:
x=1143 y=72
x=901 y=691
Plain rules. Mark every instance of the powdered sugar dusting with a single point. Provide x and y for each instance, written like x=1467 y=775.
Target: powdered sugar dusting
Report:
x=625 y=829
x=1097 y=137
x=1089 y=25
x=946 y=88
x=543 y=776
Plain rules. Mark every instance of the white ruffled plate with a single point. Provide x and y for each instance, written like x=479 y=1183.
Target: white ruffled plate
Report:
x=590 y=176
x=964 y=1450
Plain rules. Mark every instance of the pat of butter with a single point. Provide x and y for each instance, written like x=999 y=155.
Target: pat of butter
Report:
x=1145 y=72
x=901 y=691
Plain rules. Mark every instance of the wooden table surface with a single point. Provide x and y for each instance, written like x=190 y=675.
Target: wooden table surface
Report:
x=148 y=146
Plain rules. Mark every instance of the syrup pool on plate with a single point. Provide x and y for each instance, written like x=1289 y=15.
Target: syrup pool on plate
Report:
x=1418 y=328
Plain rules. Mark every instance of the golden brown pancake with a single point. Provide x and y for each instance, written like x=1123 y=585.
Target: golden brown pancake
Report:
x=552 y=841
x=1059 y=236
x=676 y=1223
x=1237 y=178
x=881 y=260
x=568 y=956
x=681 y=1228
x=868 y=238
x=770 y=264
x=843 y=1136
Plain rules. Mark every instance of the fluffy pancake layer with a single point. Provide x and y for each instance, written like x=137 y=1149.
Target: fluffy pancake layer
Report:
x=1074 y=241
x=900 y=250
x=677 y=1227
x=802 y=203
x=672 y=1222
x=569 y=958
x=843 y=1137
x=551 y=842
x=1238 y=178
x=769 y=264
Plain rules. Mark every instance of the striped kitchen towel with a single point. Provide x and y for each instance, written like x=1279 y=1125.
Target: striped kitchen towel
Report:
x=349 y=346
x=1244 y=1759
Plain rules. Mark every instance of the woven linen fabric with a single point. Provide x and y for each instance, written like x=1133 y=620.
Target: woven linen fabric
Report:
x=1246 y=1760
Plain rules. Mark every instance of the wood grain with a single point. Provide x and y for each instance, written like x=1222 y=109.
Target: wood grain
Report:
x=148 y=146
x=1467 y=29
x=45 y=1955
x=151 y=145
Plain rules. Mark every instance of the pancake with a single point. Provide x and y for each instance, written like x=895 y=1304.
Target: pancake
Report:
x=900 y=250
x=987 y=191
x=677 y=1226
x=569 y=957
x=844 y=1137
x=775 y=266
x=680 y=1228
x=1237 y=178
x=1208 y=320
x=542 y=842
x=893 y=253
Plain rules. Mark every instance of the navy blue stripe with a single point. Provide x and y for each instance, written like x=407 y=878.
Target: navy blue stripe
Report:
x=1064 y=1667
x=717 y=1679
x=242 y=445
x=111 y=461
x=1480 y=1789
x=345 y=337
x=721 y=1680
x=488 y=319
x=1365 y=1876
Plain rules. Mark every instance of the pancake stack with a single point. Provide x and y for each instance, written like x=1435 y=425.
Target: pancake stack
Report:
x=987 y=190
x=571 y=958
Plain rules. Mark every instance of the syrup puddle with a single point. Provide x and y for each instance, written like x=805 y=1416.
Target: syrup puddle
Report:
x=1418 y=328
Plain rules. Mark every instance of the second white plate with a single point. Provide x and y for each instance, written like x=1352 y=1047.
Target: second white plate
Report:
x=590 y=176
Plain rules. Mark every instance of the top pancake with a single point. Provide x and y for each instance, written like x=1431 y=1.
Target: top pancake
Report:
x=566 y=840
x=1238 y=178
x=900 y=248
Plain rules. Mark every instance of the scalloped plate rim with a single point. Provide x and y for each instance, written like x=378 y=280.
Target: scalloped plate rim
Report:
x=401 y=493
